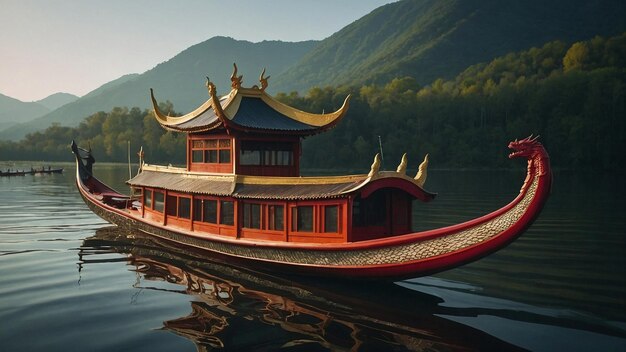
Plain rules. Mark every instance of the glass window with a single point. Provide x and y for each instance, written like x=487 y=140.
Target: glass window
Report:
x=158 y=201
x=283 y=158
x=197 y=210
x=227 y=213
x=210 y=156
x=250 y=157
x=184 y=207
x=196 y=156
x=252 y=216
x=267 y=158
x=171 y=205
x=224 y=156
x=211 y=151
x=147 y=198
x=331 y=217
x=302 y=220
x=266 y=153
x=275 y=217
x=210 y=211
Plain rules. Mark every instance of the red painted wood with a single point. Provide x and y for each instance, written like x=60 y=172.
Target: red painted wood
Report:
x=538 y=166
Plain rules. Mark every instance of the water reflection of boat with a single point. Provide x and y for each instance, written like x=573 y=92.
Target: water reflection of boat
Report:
x=244 y=310
x=241 y=195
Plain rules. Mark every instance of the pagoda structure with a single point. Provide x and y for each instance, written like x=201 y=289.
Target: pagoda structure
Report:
x=242 y=176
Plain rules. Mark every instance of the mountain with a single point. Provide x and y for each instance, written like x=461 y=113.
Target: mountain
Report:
x=430 y=39
x=13 y=111
x=180 y=80
x=62 y=114
x=111 y=85
x=56 y=100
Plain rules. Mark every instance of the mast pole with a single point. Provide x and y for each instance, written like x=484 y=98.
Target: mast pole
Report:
x=380 y=146
x=130 y=174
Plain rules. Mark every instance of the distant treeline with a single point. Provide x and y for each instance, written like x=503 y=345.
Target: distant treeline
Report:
x=108 y=134
x=572 y=95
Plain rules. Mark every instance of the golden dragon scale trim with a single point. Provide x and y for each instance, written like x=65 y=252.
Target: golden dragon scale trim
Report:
x=380 y=256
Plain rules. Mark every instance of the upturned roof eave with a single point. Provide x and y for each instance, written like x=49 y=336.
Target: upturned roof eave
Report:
x=225 y=108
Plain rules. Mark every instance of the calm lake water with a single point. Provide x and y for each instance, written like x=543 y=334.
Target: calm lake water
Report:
x=71 y=282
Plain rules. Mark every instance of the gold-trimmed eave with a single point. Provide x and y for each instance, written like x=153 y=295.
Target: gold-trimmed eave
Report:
x=317 y=120
x=312 y=119
x=172 y=123
x=229 y=105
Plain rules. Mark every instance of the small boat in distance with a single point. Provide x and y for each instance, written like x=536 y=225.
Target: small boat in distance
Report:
x=241 y=197
x=32 y=171
x=44 y=170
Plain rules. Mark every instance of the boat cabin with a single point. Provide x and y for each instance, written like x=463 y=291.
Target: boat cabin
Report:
x=242 y=177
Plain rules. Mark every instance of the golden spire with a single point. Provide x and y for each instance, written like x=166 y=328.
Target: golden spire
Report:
x=210 y=86
x=422 y=172
x=402 y=167
x=375 y=166
x=236 y=80
x=263 y=80
x=215 y=100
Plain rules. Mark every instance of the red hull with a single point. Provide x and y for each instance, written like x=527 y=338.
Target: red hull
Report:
x=401 y=256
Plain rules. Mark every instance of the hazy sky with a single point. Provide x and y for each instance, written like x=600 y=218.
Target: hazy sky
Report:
x=74 y=46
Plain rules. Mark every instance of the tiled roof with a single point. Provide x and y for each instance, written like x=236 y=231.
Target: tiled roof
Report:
x=254 y=113
x=273 y=188
x=249 y=109
x=217 y=186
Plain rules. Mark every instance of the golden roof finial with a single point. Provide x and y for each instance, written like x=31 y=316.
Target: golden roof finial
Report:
x=375 y=166
x=208 y=85
x=236 y=80
x=402 y=167
x=215 y=100
x=263 y=80
x=422 y=172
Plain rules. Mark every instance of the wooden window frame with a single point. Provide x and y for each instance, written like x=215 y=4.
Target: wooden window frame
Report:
x=220 y=212
x=202 y=201
x=177 y=207
x=294 y=217
x=267 y=216
x=323 y=218
x=247 y=215
x=154 y=203
x=218 y=149
x=268 y=156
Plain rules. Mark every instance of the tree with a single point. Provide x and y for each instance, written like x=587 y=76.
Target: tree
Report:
x=576 y=57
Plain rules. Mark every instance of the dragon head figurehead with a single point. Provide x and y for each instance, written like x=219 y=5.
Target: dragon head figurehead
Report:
x=528 y=147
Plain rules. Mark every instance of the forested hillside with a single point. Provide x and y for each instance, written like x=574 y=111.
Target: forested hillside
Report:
x=430 y=39
x=574 y=95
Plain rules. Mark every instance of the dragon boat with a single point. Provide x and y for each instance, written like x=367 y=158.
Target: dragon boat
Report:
x=241 y=197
